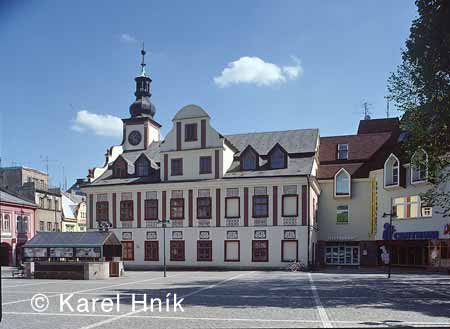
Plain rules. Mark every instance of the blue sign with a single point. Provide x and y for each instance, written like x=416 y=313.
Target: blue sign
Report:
x=389 y=230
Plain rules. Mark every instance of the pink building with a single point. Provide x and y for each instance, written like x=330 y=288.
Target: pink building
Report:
x=17 y=226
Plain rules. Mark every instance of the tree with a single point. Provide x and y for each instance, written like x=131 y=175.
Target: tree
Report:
x=420 y=88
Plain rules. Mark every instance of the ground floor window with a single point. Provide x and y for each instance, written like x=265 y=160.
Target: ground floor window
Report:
x=232 y=251
x=342 y=255
x=177 y=250
x=289 y=250
x=151 y=251
x=127 y=250
x=409 y=253
x=204 y=250
x=260 y=251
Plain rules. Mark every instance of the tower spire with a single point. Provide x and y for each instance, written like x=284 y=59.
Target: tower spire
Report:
x=143 y=60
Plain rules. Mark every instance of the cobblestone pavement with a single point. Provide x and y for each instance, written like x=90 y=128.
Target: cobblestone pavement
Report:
x=231 y=299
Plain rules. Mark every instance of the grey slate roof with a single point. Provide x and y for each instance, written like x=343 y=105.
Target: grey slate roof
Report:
x=190 y=112
x=69 y=239
x=293 y=141
x=10 y=198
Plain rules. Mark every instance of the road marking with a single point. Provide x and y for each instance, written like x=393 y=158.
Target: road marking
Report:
x=184 y=318
x=27 y=285
x=320 y=309
x=118 y=317
x=93 y=289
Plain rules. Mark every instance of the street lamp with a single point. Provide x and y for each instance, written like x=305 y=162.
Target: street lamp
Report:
x=164 y=223
x=390 y=241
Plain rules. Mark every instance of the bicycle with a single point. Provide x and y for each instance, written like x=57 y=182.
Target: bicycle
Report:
x=296 y=267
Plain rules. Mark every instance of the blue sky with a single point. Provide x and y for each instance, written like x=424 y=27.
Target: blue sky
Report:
x=291 y=64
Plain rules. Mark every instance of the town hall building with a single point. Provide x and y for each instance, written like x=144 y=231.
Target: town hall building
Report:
x=231 y=201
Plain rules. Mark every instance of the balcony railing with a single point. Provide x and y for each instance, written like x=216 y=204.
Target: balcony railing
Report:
x=260 y=222
x=232 y=222
x=204 y=222
x=177 y=222
x=290 y=221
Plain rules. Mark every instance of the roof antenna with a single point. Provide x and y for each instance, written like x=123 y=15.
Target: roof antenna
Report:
x=366 y=111
x=388 y=99
x=143 y=60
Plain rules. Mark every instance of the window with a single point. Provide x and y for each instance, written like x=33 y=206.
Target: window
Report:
x=41 y=226
x=260 y=206
x=410 y=207
x=342 y=183
x=151 y=251
x=289 y=250
x=142 y=166
x=342 y=255
x=127 y=250
x=177 y=250
x=278 y=159
x=260 y=251
x=6 y=222
x=176 y=167
x=342 y=214
x=49 y=226
x=391 y=171
x=151 y=209
x=290 y=205
x=342 y=151
x=177 y=208
x=22 y=224
x=232 y=207
x=419 y=167
x=205 y=165
x=232 y=251
x=41 y=202
x=101 y=211
x=56 y=204
x=248 y=161
x=203 y=208
x=204 y=250
x=56 y=227
x=126 y=210
x=120 y=168
x=190 y=132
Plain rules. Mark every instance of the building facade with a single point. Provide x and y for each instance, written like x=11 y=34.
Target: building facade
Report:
x=17 y=226
x=32 y=185
x=233 y=201
x=74 y=213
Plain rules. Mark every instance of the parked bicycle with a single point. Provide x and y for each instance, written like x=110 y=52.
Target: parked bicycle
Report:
x=296 y=267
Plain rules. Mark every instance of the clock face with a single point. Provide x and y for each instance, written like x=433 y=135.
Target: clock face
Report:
x=134 y=138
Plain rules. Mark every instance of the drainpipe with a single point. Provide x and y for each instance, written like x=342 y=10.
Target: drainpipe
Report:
x=307 y=218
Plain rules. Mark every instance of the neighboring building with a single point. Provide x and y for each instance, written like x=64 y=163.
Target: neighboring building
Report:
x=74 y=213
x=17 y=226
x=347 y=207
x=32 y=185
x=76 y=188
x=234 y=201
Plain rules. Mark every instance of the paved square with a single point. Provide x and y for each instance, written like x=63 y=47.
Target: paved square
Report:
x=231 y=299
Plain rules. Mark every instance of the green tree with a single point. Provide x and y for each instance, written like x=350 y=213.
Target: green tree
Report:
x=420 y=88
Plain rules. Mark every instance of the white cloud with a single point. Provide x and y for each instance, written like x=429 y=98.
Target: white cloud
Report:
x=128 y=38
x=254 y=70
x=98 y=124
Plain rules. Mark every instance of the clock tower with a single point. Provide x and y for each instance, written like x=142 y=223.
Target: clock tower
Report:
x=140 y=130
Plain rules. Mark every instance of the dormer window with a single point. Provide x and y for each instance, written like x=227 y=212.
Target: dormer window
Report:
x=190 y=132
x=249 y=159
x=277 y=158
x=419 y=167
x=120 y=168
x=391 y=171
x=342 y=183
x=342 y=151
x=142 y=167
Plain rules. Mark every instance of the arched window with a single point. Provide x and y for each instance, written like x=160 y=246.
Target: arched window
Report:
x=277 y=158
x=142 y=167
x=419 y=166
x=342 y=183
x=120 y=168
x=391 y=171
x=249 y=160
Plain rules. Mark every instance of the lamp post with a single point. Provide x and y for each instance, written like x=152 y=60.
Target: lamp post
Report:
x=390 y=241
x=164 y=223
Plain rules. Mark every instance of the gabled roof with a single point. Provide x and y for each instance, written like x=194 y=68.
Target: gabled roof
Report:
x=293 y=141
x=6 y=197
x=190 y=112
x=71 y=239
